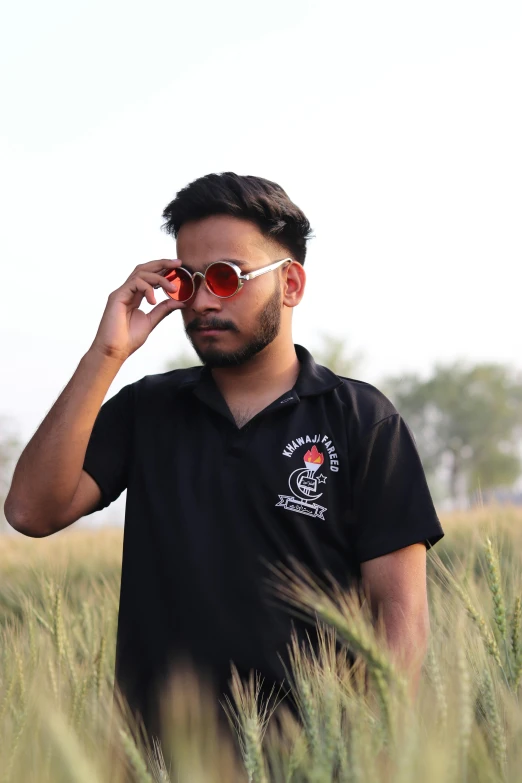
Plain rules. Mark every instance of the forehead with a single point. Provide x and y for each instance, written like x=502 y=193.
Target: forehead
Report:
x=222 y=237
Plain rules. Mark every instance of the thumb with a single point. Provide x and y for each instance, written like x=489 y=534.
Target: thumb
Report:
x=162 y=310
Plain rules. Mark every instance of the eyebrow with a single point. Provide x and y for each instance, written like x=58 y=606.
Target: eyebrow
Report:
x=238 y=261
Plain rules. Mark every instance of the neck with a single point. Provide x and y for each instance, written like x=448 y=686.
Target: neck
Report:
x=276 y=368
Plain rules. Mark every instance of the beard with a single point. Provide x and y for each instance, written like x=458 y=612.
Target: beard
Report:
x=266 y=330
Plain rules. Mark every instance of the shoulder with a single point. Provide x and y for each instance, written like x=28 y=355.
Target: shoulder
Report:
x=365 y=405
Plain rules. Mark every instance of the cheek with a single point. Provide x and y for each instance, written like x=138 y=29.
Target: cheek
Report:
x=257 y=296
x=248 y=308
x=244 y=304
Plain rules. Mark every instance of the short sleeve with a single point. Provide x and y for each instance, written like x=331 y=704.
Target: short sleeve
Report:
x=393 y=507
x=109 y=449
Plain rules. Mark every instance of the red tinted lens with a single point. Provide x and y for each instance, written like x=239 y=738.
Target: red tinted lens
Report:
x=184 y=282
x=221 y=279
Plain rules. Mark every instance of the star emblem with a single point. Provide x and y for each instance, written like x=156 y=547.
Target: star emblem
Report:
x=322 y=478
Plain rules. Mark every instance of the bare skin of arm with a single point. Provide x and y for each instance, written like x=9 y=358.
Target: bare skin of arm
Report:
x=396 y=586
x=50 y=490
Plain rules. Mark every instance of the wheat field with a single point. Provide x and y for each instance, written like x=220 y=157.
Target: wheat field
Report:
x=60 y=723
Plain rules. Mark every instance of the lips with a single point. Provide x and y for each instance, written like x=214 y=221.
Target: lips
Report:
x=210 y=333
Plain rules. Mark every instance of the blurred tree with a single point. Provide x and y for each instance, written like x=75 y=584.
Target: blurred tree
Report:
x=332 y=353
x=468 y=417
x=185 y=358
x=10 y=450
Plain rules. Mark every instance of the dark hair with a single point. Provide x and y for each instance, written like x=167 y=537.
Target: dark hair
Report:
x=263 y=202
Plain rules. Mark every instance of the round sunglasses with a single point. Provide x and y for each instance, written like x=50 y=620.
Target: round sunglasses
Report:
x=222 y=278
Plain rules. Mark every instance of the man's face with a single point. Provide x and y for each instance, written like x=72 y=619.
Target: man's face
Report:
x=251 y=319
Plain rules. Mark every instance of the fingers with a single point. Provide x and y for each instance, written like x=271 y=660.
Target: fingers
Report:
x=142 y=282
x=132 y=292
x=162 y=310
x=161 y=267
x=159 y=281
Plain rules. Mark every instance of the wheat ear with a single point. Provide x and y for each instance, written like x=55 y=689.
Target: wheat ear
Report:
x=495 y=587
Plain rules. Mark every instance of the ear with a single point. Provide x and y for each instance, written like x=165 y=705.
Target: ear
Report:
x=293 y=283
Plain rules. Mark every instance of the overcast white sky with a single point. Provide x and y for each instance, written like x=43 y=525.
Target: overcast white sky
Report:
x=396 y=127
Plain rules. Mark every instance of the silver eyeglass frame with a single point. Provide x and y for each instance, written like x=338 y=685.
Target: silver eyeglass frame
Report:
x=240 y=278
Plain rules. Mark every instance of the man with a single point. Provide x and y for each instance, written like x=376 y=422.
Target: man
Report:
x=258 y=455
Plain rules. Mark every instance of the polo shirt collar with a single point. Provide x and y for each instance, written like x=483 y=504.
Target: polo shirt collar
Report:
x=313 y=379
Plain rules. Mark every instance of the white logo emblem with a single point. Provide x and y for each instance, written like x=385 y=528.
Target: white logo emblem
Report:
x=304 y=483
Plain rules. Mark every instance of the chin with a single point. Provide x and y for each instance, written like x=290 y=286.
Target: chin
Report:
x=215 y=357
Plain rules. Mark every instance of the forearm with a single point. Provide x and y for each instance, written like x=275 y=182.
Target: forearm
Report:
x=407 y=633
x=49 y=469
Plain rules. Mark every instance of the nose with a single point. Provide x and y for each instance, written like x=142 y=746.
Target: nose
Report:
x=203 y=300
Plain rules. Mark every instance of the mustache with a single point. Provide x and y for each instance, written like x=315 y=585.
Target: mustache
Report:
x=212 y=323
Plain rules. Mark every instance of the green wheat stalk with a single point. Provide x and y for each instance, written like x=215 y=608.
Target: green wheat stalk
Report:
x=438 y=687
x=80 y=692
x=517 y=674
x=296 y=757
x=487 y=637
x=8 y=696
x=134 y=757
x=21 y=677
x=22 y=722
x=52 y=677
x=99 y=662
x=31 y=627
x=57 y=626
x=249 y=717
x=495 y=587
x=465 y=711
x=494 y=722
x=515 y=627
x=330 y=714
x=310 y=716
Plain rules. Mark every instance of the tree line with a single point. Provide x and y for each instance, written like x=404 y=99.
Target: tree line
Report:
x=466 y=420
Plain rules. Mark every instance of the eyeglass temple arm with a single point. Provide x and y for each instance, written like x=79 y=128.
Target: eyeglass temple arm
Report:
x=258 y=272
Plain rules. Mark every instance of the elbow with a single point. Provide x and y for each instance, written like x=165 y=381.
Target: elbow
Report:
x=24 y=523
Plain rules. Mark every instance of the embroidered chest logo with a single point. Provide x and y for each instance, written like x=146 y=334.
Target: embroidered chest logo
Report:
x=305 y=483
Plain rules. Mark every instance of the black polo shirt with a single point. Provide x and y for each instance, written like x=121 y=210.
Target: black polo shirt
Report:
x=328 y=473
